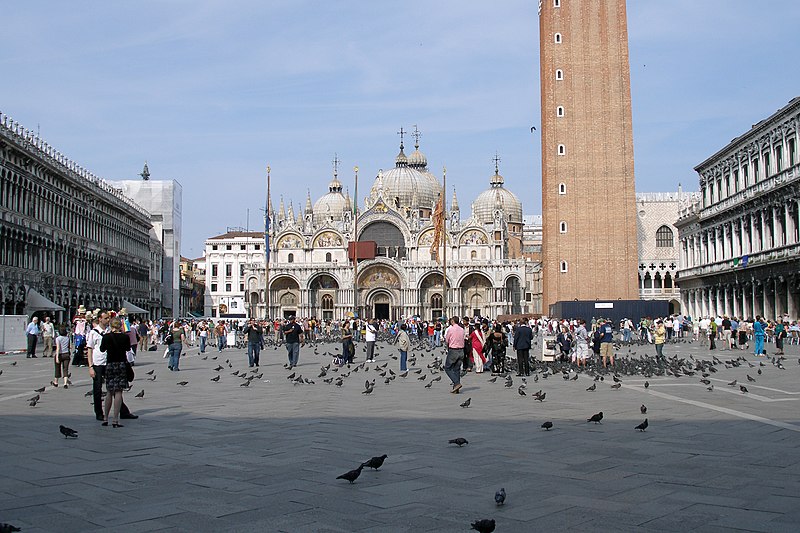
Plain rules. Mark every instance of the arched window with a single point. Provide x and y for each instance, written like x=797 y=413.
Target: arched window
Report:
x=562 y=227
x=563 y=267
x=560 y=111
x=436 y=301
x=648 y=281
x=557 y=38
x=559 y=74
x=664 y=237
x=562 y=150
x=562 y=188
x=667 y=281
x=328 y=257
x=290 y=258
x=327 y=302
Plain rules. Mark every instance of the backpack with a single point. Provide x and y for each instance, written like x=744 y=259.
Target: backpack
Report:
x=169 y=339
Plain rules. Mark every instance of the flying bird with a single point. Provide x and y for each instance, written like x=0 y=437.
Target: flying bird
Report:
x=352 y=475
x=376 y=462
x=596 y=418
x=68 y=432
x=500 y=496
x=460 y=441
x=642 y=426
x=547 y=425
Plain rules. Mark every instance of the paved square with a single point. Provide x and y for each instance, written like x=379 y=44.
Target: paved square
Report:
x=222 y=457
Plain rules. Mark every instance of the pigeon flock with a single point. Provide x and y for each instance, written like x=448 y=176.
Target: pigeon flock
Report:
x=426 y=367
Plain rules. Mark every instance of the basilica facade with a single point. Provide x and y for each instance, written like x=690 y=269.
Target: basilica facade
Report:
x=329 y=260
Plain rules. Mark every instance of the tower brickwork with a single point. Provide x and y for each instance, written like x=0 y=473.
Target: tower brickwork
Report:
x=588 y=197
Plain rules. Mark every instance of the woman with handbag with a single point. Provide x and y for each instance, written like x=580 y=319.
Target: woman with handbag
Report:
x=115 y=344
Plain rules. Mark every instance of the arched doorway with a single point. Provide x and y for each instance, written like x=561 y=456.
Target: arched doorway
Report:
x=431 y=296
x=322 y=292
x=379 y=304
x=514 y=295
x=476 y=292
x=285 y=291
x=381 y=277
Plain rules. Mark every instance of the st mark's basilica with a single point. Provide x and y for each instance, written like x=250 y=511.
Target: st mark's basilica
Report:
x=311 y=267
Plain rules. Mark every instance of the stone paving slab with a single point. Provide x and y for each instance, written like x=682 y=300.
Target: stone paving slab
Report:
x=220 y=457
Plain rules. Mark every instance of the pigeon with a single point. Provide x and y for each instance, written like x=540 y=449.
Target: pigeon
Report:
x=141 y=394
x=592 y=388
x=88 y=393
x=218 y=368
x=500 y=496
x=40 y=390
x=34 y=399
x=152 y=378
x=751 y=379
x=376 y=462
x=493 y=379
x=521 y=392
x=467 y=402
x=182 y=383
x=705 y=382
x=151 y=372
x=642 y=426
x=643 y=409
x=368 y=390
x=596 y=418
x=460 y=441
x=646 y=384
x=483 y=526
x=245 y=384
x=429 y=385
x=711 y=388
x=352 y=475
x=547 y=425
x=732 y=383
x=743 y=389
x=616 y=379
x=235 y=373
x=33 y=402
x=14 y=363
x=8 y=528
x=68 y=432
x=291 y=376
x=540 y=397
x=616 y=386
x=214 y=379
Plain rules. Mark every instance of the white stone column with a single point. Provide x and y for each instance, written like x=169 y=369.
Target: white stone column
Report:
x=764 y=230
x=791 y=308
x=791 y=237
x=735 y=298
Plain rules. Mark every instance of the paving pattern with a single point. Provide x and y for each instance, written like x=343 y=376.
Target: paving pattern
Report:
x=221 y=457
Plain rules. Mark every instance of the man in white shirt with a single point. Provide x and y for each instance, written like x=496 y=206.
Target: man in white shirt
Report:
x=48 y=332
x=371 y=335
x=97 y=365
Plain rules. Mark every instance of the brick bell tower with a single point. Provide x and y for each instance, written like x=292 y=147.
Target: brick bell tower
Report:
x=589 y=242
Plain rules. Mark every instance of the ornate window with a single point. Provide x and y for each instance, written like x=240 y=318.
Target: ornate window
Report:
x=436 y=301
x=664 y=237
x=327 y=302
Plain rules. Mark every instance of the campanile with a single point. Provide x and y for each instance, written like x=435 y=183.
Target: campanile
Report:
x=589 y=243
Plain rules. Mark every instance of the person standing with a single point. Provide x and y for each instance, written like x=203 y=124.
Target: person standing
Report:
x=758 y=336
x=726 y=333
x=32 y=333
x=178 y=338
x=253 y=332
x=61 y=357
x=203 y=334
x=403 y=344
x=116 y=344
x=581 y=343
x=780 y=334
x=660 y=338
x=293 y=334
x=48 y=333
x=143 y=330
x=523 y=336
x=221 y=333
x=348 y=348
x=97 y=360
x=454 y=339
x=477 y=340
x=712 y=335
x=607 y=343
x=372 y=333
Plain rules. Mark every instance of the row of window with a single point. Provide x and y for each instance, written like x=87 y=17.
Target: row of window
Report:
x=230 y=247
x=735 y=181
x=664 y=235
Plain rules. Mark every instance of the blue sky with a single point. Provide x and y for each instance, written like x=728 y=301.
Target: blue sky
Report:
x=210 y=92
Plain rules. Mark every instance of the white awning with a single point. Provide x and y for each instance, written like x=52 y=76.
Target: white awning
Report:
x=36 y=302
x=134 y=309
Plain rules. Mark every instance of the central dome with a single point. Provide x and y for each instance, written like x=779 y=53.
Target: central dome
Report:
x=406 y=186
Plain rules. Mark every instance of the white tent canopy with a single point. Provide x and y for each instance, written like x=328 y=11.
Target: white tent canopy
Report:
x=36 y=302
x=134 y=309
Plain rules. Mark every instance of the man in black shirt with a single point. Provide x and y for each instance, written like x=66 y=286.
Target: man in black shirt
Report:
x=293 y=333
x=253 y=332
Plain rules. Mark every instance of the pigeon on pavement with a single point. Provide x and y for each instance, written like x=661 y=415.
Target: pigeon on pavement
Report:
x=642 y=426
x=483 y=526
x=68 y=432
x=500 y=496
x=460 y=441
x=596 y=418
x=352 y=475
x=547 y=425
x=376 y=462
x=467 y=402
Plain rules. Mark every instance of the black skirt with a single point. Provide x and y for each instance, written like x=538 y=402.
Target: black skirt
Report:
x=116 y=377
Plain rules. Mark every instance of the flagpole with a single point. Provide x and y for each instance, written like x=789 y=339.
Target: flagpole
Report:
x=355 y=247
x=444 y=233
x=266 y=249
